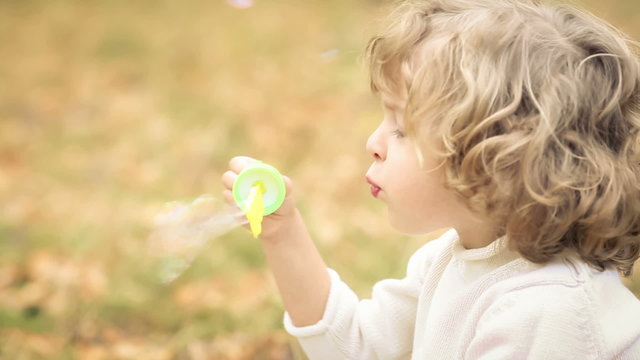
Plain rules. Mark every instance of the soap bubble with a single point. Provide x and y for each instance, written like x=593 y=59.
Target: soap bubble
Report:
x=329 y=55
x=242 y=4
x=182 y=229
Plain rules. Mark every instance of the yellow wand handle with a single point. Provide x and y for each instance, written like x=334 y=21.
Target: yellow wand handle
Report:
x=255 y=208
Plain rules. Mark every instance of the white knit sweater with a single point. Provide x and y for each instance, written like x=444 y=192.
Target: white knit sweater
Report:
x=487 y=303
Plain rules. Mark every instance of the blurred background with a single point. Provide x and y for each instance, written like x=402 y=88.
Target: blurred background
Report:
x=111 y=108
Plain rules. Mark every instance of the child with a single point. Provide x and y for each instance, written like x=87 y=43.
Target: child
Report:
x=515 y=124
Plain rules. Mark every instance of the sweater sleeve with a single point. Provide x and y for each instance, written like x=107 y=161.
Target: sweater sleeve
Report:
x=545 y=321
x=377 y=328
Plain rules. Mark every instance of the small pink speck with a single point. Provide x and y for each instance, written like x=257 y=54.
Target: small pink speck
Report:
x=242 y=4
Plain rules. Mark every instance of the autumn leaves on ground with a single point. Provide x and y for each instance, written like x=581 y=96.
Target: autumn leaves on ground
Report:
x=111 y=108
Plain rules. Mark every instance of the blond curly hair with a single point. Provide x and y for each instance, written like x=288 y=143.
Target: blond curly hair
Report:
x=538 y=111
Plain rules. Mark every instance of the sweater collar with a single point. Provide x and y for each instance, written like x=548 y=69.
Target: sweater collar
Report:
x=495 y=248
x=474 y=263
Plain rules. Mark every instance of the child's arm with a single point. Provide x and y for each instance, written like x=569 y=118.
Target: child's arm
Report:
x=300 y=272
x=298 y=268
x=326 y=316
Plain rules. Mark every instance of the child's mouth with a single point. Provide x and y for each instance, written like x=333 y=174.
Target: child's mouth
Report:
x=375 y=189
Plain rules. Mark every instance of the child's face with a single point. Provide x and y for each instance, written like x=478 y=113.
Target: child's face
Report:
x=416 y=197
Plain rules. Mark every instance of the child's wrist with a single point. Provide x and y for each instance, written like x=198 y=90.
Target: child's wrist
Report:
x=285 y=228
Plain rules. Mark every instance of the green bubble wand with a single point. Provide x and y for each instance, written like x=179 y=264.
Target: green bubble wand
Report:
x=259 y=190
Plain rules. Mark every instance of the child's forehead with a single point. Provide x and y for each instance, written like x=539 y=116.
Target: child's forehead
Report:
x=412 y=66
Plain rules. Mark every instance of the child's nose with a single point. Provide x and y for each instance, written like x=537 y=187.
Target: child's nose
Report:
x=376 y=145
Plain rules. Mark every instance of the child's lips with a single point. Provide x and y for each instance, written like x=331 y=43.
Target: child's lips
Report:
x=375 y=189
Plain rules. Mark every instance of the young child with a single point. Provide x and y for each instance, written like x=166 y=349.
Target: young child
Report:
x=516 y=124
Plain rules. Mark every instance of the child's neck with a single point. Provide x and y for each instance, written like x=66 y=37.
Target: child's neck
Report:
x=475 y=235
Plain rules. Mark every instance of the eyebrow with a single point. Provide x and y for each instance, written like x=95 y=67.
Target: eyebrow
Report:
x=398 y=119
x=390 y=104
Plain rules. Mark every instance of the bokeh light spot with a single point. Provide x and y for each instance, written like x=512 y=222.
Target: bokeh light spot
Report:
x=242 y=4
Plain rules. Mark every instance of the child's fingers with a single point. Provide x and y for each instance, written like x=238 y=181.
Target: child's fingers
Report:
x=228 y=197
x=228 y=178
x=238 y=163
x=288 y=184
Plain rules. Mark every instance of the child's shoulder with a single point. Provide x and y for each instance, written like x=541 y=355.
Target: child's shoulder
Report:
x=569 y=294
x=570 y=274
x=569 y=281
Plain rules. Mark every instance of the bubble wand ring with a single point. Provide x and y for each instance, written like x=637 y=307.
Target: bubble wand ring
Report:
x=259 y=190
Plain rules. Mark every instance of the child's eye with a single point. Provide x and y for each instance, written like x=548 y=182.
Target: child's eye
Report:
x=398 y=133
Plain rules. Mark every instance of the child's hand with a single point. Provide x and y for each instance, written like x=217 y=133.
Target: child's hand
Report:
x=271 y=224
x=297 y=266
